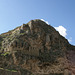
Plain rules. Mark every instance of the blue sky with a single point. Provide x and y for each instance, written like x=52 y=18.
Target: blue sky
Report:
x=58 y=13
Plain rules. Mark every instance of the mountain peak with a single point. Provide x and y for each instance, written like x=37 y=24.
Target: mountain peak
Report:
x=33 y=47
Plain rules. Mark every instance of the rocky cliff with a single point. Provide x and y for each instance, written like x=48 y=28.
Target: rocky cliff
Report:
x=36 y=48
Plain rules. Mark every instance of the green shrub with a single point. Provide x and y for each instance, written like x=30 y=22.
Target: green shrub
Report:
x=5 y=54
x=11 y=70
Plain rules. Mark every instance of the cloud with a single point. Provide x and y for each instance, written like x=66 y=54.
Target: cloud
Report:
x=61 y=30
x=45 y=21
x=70 y=39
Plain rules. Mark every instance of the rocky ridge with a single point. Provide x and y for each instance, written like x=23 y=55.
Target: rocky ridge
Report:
x=36 y=48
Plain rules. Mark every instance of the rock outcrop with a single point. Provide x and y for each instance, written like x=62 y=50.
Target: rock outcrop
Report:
x=36 y=48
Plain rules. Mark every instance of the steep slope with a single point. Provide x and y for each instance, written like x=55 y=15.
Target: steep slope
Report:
x=35 y=48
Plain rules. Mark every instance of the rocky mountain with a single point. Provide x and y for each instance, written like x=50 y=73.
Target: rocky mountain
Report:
x=36 y=48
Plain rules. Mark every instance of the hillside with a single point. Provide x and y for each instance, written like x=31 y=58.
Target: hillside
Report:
x=36 y=48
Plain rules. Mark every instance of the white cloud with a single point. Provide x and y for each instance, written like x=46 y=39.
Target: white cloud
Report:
x=70 y=39
x=45 y=21
x=61 y=30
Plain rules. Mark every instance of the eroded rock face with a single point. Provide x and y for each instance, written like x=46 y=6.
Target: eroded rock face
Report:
x=35 y=47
